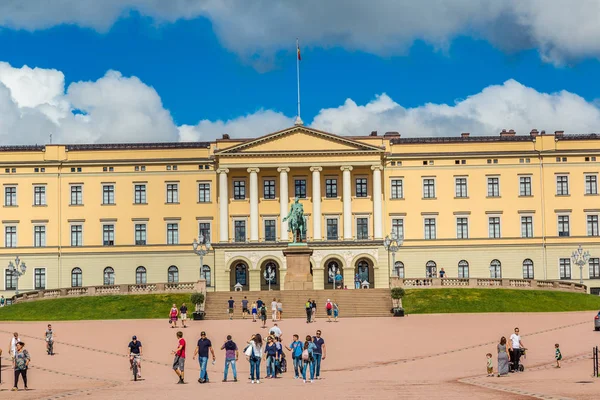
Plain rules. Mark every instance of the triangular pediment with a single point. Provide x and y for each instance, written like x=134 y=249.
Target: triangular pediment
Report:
x=299 y=139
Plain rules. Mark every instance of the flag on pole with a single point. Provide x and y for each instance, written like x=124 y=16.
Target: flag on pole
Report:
x=299 y=56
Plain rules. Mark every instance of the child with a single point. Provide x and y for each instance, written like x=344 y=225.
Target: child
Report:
x=557 y=355
x=490 y=368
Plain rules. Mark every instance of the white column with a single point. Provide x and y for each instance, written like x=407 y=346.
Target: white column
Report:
x=283 y=202
x=347 y=200
x=253 y=204
x=223 y=205
x=316 y=201
x=377 y=203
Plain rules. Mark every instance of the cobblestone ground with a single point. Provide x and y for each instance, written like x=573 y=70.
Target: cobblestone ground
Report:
x=416 y=357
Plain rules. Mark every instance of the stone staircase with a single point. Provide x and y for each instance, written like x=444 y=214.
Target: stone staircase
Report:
x=352 y=303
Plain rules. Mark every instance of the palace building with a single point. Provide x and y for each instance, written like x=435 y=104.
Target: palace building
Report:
x=510 y=206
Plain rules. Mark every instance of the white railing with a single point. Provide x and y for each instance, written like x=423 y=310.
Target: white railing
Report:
x=487 y=283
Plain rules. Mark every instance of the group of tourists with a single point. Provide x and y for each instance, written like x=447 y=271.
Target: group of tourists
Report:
x=331 y=307
x=176 y=313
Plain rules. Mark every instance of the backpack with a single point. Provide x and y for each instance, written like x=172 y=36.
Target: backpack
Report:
x=305 y=355
x=329 y=306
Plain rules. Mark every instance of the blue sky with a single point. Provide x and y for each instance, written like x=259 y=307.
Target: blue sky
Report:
x=198 y=75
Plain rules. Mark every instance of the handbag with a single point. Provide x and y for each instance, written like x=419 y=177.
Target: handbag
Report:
x=248 y=351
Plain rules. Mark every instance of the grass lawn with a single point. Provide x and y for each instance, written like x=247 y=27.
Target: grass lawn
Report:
x=416 y=301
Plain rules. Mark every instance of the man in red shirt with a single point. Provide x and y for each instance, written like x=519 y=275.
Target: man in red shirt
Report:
x=179 y=361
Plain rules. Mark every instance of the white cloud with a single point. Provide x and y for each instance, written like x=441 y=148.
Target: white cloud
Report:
x=562 y=30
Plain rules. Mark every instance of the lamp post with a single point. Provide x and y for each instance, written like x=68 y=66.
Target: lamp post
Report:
x=392 y=245
x=580 y=258
x=201 y=248
x=18 y=269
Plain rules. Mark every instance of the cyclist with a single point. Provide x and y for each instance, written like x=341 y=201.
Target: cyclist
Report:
x=50 y=340
x=135 y=352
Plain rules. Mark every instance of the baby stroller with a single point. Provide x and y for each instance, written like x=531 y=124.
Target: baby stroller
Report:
x=520 y=367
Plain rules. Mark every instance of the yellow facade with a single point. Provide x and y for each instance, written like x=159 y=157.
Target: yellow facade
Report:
x=511 y=206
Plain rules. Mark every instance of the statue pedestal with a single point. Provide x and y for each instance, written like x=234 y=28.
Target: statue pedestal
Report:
x=298 y=276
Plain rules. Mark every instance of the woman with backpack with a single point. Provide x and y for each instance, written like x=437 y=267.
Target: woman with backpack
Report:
x=329 y=309
x=263 y=315
x=254 y=353
x=308 y=307
x=308 y=359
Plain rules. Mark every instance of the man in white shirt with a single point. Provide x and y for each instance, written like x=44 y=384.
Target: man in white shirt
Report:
x=515 y=349
x=13 y=344
x=274 y=310
x=275 y=330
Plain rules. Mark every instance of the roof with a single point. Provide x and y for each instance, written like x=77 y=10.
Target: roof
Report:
x=136 y=146
x=34 y=147
x=460 y=139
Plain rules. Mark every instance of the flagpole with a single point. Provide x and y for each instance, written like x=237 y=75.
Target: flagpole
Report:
x=298 y=119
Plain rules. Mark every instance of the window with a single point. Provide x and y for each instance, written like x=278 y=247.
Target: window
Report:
x=270 y=230
x=76 y=277
x=39 y=236
x=463 y=269
x=562 y=185
x=39 y=278
x=591 y=184
x=206 y=275
x=10 y=236
x=173 y=274
x=495 y=269
x=524 y=186
x=428 y=188
x=108 y=235
x=39 y=195
x=239 y=190
x=10 y=196
x=240 y=231
x=362 y=269
x=76 y=235
x=399 y=269
x=527 y=227
x=269 y=189
x=430 y=231
x=140 y=194
x=431 y=269
x=331 y=188
x=204 y=193
x=109 y=276
x=527 y=269
x=494 y=227
x=108 y=194
x=362 y=228
x=361 y=187
x=266 y=276
x=140 y=234
x=564 y=268
x=563 y=225
x=140 y=276
x=594 y=264
x=300 y=188
x=173 y=233
x=462 y=228
x=398 y=227
x=461 y=187
x=241 y=274
x=397 y=189
x=204 y=231
x=172 y=193
x=10 y=280
x=493 y=187
x=592 y=225
x=76 y=195
x=332 y=228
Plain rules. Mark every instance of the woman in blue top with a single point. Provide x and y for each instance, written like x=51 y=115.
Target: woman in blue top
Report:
x=296 y=349
x=308 y=358
x=270 y=357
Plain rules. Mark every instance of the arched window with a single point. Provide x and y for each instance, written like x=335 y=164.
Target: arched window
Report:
x=173 y=274
x=206 y=274
x=270 y=272
x=76 y=277
x=109 y=276
x=463 y=269
x=495 y=269
x=527 y=269
x=431 y=269
x=362 y=269
x=140 y=276
x=332 y=269
x=399 y=269
x=241 y=274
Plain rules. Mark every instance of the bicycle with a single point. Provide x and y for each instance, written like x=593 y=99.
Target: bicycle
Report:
x=135 y=361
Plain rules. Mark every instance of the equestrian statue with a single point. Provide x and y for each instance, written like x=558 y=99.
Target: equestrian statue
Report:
x=296 y=221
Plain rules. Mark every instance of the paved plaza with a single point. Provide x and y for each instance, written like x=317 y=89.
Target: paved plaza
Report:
x=416 y=357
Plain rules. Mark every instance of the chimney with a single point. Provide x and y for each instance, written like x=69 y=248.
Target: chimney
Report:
x=225 y=136
x=391 y=134
x=533 y=133
x=542 y=132
x=464 y=135
x=509 y=133
x=373 y=133
x=559 y=133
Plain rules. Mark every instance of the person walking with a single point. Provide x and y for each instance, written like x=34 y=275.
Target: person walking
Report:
x=515 y=349
x=308 y=358
x=259 y=303
x=179 y=360
x=314 y=310
x=356 y=281
x=320 y=352
x=275 y=330
x=557 y=355
x=20 y=365
x=173 y=316
x=329 y=309
x=231 y=357
x=254 y=312
x=270 y=356
x=336 y=311
x=231 y=304
x=254 y=353
x=263 y=315
x=203 y=347
x=308 y=308
x=183 y=314
x=274 y=310
x=12 y=349
x=503 y=357
x=2 y=301
x=296 y=350
x=245 y=308
x=279 y=309
x=50 y=341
